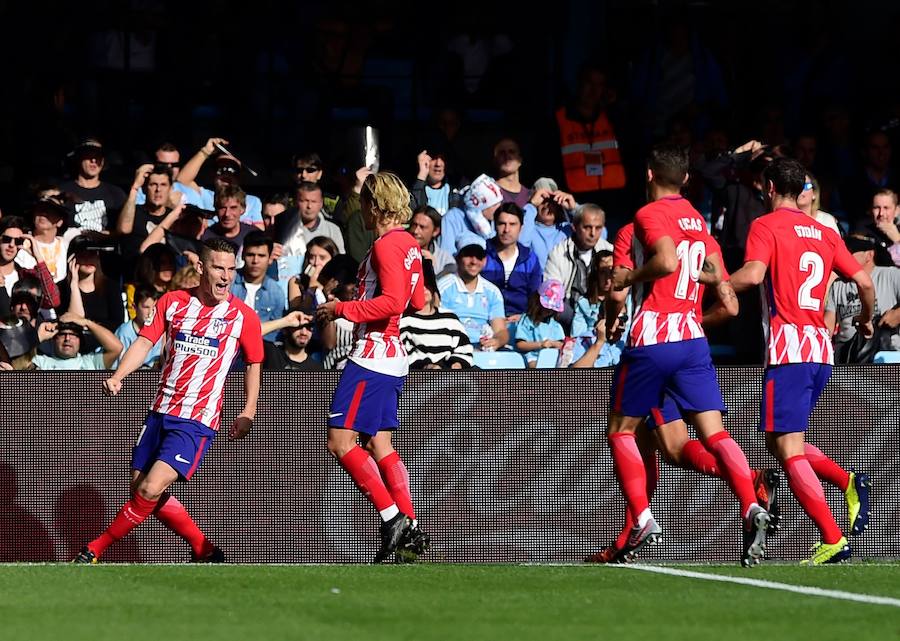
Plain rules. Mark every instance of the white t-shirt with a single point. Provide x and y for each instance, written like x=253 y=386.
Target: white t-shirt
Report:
x=250 y=298
x=54 y=254
x=509 y=264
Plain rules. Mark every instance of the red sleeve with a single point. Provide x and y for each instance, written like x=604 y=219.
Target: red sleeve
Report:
x=251 y=337
x=650 y=226
x=155 y=326
x=760 y=242
x=844 y=263
x=398 y=268
x=712 y=247
x=622 y=249
x=49 y=291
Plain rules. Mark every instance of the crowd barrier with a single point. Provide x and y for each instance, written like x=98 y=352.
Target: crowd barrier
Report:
x=505 y=466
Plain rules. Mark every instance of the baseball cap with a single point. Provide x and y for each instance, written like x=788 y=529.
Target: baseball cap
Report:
x=69 y=328
x=469 y=244
x=551 y=294
x=227 y=164
x=857 y=242
x=87 y=147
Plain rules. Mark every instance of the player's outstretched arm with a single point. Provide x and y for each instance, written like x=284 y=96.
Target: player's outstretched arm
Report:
x=724 y=308
x=750 y=275
x=134 y=357
x=663 y=263
x=241 y=426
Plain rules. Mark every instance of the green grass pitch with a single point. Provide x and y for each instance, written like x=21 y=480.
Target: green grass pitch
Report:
x=439 y=602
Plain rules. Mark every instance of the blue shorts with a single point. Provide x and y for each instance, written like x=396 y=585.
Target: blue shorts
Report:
x=665 y=413
x=365 y=401
x=682 y=370
x=180 y=442
x=789 y=395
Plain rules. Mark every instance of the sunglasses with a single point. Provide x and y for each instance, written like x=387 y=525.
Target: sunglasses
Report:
x=170 y=165
x=6 y=240
x=308 y=170
x=807 y=186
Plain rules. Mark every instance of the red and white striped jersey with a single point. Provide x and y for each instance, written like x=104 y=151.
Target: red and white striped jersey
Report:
x=800 y=254
x=390 y=281
x=202 y=343
x=665 y=309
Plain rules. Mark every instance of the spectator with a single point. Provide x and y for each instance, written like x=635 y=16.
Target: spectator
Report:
x=551 y=225
x=137 y=221
x=181 y=231
x=186 y=278
x=25 y=301
x=339 y=335
x=570 y=260
x=591 y=348
x=67 y=339
x=19 y=342
x=310 y=168
x=510 y=266
x=808 y=202
x=230 y=202
x=49 y=216
x=167 y=156
x=319 y=251
x=883 y=223
x=477 y=302
x=144 y=301
x=251 y=284
x=425 y=226
x=844 y=305
x=431 y=187
x=295 y=331
x=875 y=174
x=15 y=245
x=539 y=328
x=228 y=171
x=308 y=221
x=434 y=338
x=507 y=163
x=359 y=239
x=97 y=203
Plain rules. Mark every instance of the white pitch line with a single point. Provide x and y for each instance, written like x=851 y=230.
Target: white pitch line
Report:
x=771 y=585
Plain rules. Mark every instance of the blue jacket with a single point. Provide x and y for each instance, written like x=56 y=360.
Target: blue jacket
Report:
x=269 y=302
x=454 y=224
x=524 y=280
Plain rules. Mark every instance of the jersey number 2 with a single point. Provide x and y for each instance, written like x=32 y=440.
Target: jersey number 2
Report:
x=810 y=262
x=690 y=260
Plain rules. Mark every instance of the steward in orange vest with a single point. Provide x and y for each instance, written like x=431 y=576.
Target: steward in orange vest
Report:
x=590 y=153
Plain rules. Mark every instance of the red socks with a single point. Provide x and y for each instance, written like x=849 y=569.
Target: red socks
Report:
x=132 y=514
x=806 y=487
x=651 y=468
x=630 y=471
x=396 y=479
x=362 y=469
x=734 y=468
x=825 y=468
x=174 y=516
x=694 y=456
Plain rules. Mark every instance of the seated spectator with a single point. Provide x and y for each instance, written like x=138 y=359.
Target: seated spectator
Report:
x=883 y=223
x=251 y=284
x=570 y=260
x=476 y=302
x=230 y=201
x=844 y=305
x=597 y=351
x=475 y=216
x=808 y=203
x=49 y=216
x=434 y=338
x=295 y=331
x=97 y=203
x=425 y=226
x=319 y=251
x=338 y=336
x=154 y=270
x=539 y=328
x=431 y=187
x=19 y=342
x=340 y=270
x=228 y=174
x=67 y=338
x=89 y=293
x=296 y=228
x=186 y=278
x=144 y=302
x=551 y=226
x=510 y=266
x=589 y=308
x=17 y=246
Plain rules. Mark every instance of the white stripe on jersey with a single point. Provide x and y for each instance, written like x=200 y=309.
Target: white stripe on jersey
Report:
x=178 y=359
x=228 y=357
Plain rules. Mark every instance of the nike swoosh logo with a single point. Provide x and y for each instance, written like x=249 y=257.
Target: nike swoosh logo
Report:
x=335 y=415
x=181 y=459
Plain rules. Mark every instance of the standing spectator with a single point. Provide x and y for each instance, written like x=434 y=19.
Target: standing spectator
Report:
x=14 y=241
x=539 y=328
x=434 y=338
x=228 y=171
x=49 y=216
x=144 y=301
x=883 y=222
x=431 y=186
x=425 y=226
x=137 y=220
x=167 y=156
x=511 y=266
x=359 y=239
x=570 y=260
x=310 y=168
x=551 y=225
x=68 y=353
x=876 y=174
x=230 y=204
x=290 y=352
x=181 y=231
x=97 y=204
x=507 y=163
x=251 y=284
x=844 y=305
x=476 y=301
x=308 y=221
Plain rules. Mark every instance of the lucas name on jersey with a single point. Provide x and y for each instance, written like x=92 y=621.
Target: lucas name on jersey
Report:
x=691 y=224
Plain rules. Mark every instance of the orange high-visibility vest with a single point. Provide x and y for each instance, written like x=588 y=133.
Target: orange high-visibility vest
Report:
x=581 y=146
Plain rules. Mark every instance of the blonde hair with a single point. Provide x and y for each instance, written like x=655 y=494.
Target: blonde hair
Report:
x=389 y=197
x=185 y=278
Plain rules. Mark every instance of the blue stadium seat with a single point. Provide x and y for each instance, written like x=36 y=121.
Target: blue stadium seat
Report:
x=547 y=358
x=503 y=359
x=887 y=357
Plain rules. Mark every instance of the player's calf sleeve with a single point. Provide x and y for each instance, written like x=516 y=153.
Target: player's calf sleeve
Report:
x=694 y=456
x=826 y=469
x=396 y=479
x=651 y=470
x=362 y=469
x=174 y=516
x=630 y=471
x=734 y=468
x=806 y=487
x=131 y=515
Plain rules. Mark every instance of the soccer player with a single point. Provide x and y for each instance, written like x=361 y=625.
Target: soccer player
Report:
x=205 y=327
x=667 y=352
x=365 y=402
x=794 y=255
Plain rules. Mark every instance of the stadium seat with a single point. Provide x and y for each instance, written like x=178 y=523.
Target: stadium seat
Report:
x=503 y=359
x=886 y=357
x=547 y=358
